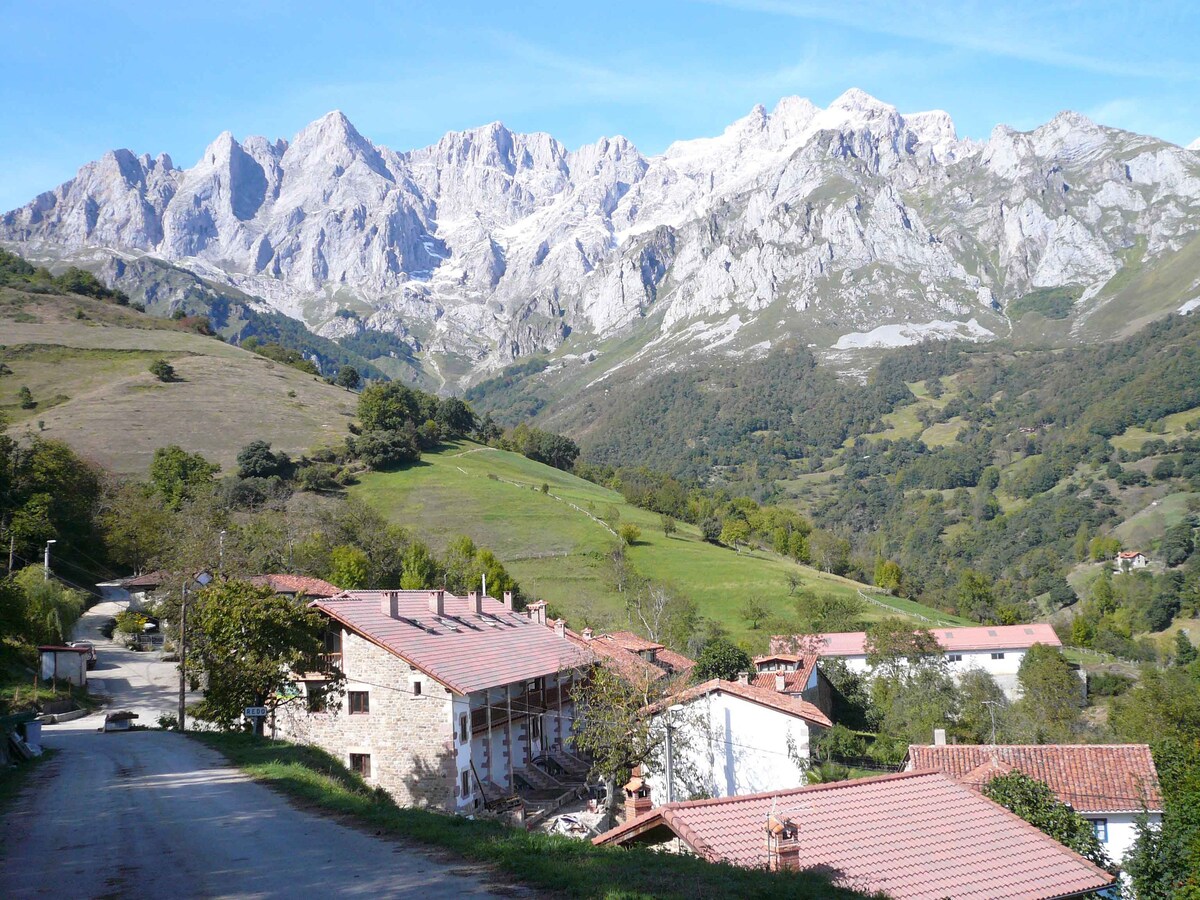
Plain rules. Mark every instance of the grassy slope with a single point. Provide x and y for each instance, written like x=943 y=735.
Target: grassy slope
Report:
x=560 y=865
x=93 y=389
x=1174 y=427
x=558 y=552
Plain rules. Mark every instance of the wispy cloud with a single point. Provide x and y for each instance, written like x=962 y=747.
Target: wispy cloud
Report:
x=1000 y=30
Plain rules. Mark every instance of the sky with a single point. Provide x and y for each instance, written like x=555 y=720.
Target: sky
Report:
x=85 y=77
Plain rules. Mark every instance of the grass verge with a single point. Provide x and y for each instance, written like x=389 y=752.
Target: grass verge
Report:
x=551 y=863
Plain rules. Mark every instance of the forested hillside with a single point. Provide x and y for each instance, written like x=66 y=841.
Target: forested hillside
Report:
x=992 y=479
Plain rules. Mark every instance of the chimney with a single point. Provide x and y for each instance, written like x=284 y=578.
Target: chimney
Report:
x=743 y=678
x=560 y=627
x=637 y=796
x=389 y=604
x=587 y=634
x=939 y=737
x=437 y=602
x=508 y=600
x=783 y=843
x=476 y=602
x=781 y=682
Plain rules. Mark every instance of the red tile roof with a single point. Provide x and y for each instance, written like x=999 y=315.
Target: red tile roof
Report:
x=313 y=588
x=912 y=836
x=676 y=661
x=610 y=649
x=954 y=638
x=463 y=651
x=785 y=703
x=795 y=680
x=147 y=580
x=1093 y=778
x=1129 y=554
x=634 y=643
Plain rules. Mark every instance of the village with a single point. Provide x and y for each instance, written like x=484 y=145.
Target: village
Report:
x=473 y=707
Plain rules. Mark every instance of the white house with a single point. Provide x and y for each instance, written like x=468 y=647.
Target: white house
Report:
x=996 y=649
x=1108 y=784
x=729 y=738
x=1131 y=559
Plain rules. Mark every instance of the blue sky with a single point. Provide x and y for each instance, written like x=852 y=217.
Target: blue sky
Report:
x=81 y=78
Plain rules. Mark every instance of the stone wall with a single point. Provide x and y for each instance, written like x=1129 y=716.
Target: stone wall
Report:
x=410 y=738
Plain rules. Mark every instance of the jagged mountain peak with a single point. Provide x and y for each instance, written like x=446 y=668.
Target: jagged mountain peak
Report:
x=834 y=225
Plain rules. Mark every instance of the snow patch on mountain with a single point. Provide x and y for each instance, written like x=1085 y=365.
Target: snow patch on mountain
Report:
x=908 y=333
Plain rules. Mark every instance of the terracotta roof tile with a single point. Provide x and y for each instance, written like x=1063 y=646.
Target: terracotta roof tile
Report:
x=632 y=642
x=912 y=836
x=785 y=703
x=795 y=680
x=954 y=638
x=313 y=588
x=462 y=650
x=1090 y=777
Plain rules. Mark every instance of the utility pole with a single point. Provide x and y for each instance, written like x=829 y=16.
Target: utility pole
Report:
x=183 y=658
x=221 y=555
x=46 y=564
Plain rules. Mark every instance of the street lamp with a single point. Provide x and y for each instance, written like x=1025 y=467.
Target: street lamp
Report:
x=46 y=564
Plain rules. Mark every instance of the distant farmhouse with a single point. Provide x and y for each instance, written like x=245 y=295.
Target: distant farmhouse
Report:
x=997 y=650
x=1132 y=559
x=1108 y=784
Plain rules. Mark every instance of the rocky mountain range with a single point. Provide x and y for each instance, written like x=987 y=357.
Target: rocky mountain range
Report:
x=850 y=228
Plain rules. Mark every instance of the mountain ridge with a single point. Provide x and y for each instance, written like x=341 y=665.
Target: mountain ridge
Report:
x=490 y=245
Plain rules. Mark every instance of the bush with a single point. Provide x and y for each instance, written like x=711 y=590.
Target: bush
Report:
x=162 y=370
x=1108 y=684
x=630 y=534
x=131 y=622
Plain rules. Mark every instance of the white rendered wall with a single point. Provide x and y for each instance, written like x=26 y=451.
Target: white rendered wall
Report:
x=729 y=747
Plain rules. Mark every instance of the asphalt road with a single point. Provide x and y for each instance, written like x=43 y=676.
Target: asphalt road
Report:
x=152 y=813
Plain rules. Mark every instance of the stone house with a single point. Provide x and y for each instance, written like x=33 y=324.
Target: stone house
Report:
x=447 y=700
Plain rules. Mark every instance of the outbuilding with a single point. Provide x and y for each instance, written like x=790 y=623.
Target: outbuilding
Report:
x=63 y=663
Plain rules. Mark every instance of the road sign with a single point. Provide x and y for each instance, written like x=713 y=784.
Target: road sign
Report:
x=256 y=712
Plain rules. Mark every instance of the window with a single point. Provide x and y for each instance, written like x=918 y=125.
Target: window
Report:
x=464 y=733
x=360 y=703
x=315 y=695
x=535 y=728
x=416 y=689
x=361 y=763
x=954 y=657
x=466 y=783
x=1100 y=829
x=997 y=656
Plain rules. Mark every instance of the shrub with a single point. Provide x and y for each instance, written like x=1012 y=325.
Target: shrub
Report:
x=25 y=397
x=131 y=622
x=630 y=533
x=162 y=370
